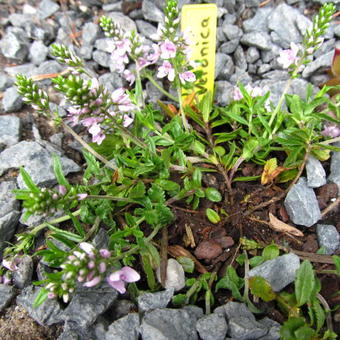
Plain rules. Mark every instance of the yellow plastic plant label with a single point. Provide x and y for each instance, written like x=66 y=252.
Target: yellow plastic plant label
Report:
x=199 y=24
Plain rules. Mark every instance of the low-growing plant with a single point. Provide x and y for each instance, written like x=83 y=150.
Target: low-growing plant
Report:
x=144 y=157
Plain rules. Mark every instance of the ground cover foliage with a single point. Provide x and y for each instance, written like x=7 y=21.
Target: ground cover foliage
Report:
x=150 y=169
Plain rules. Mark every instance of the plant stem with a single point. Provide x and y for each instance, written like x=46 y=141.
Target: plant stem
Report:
x=108 y=197
x=184 y=120
x=160 y=88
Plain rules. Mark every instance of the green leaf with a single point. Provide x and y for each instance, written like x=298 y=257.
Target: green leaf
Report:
x=179 y=299
x=213 y=195
x=304 y=333
x=288 y=329
x=212 y=215
x=270 y=252
x=206 y=106
x=336 y=260
x=319 y=313
x=67 y=234
x=232 y=282
x=40 y=298
x=304 y=283
x=138 y=191
x=187 y=264
x=150 y=276
x=249 y=148
x=256 y=260
x=58 y=171
x=261 y=288
x=28 y=181
x=167 y=185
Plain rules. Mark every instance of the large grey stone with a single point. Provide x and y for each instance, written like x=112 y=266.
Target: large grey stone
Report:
x=22 y=277
x=324 y=60
x=12 y=100
x=282 y=20
x=38 y=52
x=13 y=47
x=234 y=309
x=20 y=19
x=223 y=92
x=252 y=55
x=105 y=45
x=102 y=58
x=146 y=29
x=5 y=81
x=260 y=40
x=302 y=205
x=47 y=8
x=88 y=303
x=9 y=130
x=175 y=277
x=328 y=237
x=231 y=31
x=273 y=329
x=90 y=33
x=335 y=167
x=169 y=324
x=212 y=327
x=259 y=22
x=126 y=328
x=48 y=313
x=49 y=66
x=37 y=161
x=240 y=58
x=242 y=328
x=229 y=46
x=316 y=174
x=6 y=295
x=26 y=69
x=279 y=272
x=123 y=21
x=149 y=301
x=151 y=12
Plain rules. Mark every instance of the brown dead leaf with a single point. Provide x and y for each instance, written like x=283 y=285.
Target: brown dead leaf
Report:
x=189 y=99
x=48 y=75
x=280 y=226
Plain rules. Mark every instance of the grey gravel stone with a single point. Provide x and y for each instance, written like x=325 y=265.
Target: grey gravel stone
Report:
x=88 y=303
x=12 y=100
x=301 y=204
x=195 y=310
x=49 y=66
x=146 y=29
x=231 y=31
x=328 y=237
x=223 y=92
x=242 y=328
x=229 y=46
x=169 y=324
x=175 y=277
x=234 y=309
x=28 y=70
x=85 y=52
x=275 y=74
x=90 y=33
x=9 y=130
x=252 y=55
x=122 y=307
x=264 y=68
x=151 y=12
x=324 y=60
x=115 y=6
x=20 y=19
x=273 y=329
x=279 y=272
x=335 y=167
x=23 y=276
x=274 y=52
x=6 y=295
x=229 y=18
x=126 y=328
x=9 y=211
x=212 y=327
x=149 y=301
x=152 y=93
x=240 y=75
x=37 y=161
x=282 y=20
x=259 y=21
x=316 y=174
x=123 y=21
x=240 y=58
x=38 y=52
x=47 y=8
x=260 y=40
x=337 y=31
x=5 y=81
x=46 y=314
x=102 y=58
x=111 y=81
x=13 y=47
x=105 y=45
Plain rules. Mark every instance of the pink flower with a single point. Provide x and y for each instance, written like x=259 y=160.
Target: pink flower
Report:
x=93 y=282
x=102 y=267
x=237 y=93
x=88 y=248
x=104 y=253
x=129 y=76
x=168 y=49
x=11 y=264
x=62 y=190
x=97 y=134
x=187 y=76
x=122 y=100
x=154 y=56
x=51 y=295
x=122 y=47
x=81 y=196
x=331 y=130
x=166 y=69
x=127 y=121
x=117 y=279
x=289 y=57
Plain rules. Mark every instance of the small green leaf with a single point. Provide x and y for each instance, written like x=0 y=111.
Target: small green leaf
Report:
x=336 y=260
x=187 y=263
x=213 y=216
x=58 y=171
x=270 y=252
x=213 y=195
x=261 y=288
x=138 y=191
x=288 y=329
x=304 y=283
x=28 y=181
x=41 y=297
x=319 y=313
x=167 y=185
x=67 y=234
x=304 y=333
x=179 y=299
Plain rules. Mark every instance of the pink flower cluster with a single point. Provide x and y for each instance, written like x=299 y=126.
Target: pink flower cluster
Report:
x=289 y=57
x=331 y=130
x=253 y=91
x=90 y=267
